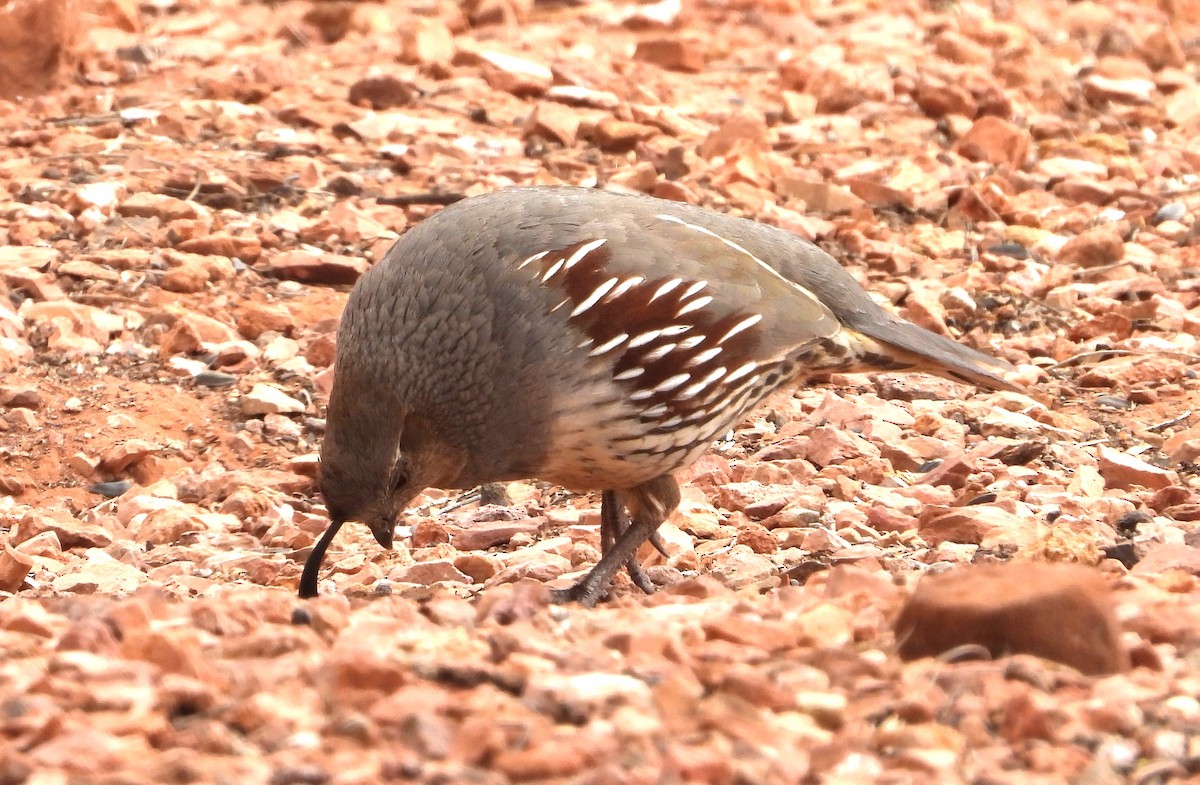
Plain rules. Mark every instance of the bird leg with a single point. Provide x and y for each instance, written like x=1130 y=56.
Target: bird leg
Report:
x=648 y=505
x=613 y=523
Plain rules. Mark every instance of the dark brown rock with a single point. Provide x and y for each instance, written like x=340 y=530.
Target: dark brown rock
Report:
x=1056 y=611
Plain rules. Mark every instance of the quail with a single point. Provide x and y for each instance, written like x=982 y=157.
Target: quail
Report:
x=599 y=341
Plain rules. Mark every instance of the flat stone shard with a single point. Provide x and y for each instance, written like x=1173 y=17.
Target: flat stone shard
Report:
x=1060 y=612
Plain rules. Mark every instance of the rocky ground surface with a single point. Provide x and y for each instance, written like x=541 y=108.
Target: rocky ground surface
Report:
x=182 y=216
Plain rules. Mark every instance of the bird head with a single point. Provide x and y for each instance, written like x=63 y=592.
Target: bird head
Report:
x=371 y=468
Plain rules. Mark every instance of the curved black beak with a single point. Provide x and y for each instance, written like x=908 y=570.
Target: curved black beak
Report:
x=308 y=578
x=383 y=535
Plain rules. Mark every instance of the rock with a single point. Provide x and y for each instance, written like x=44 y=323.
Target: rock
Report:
x=1099 y=88
x=620 y=136
x=575 y=95
x=14 y=566
x=1122 y=470
x=772 y=636
x=145 y=204
x=255 y=318
x=185 y=279
x=1084 y=189
x=229 y=246
x=192 y=332
x=170 y=524
x=757 y=538
x=425 y=42
x=745 y=127
x=938 y=99
x=317 y=268
x=996 y=141
x=427 y=573
x=541 y=760
x=72 y=327
x=122 y=456
x=971 y=524
x=1169 y=556
x=1094 y=248
x=515 y=75
x=268 y=399
x=958 y=48
x=100 y=574
x=1057 y=611
x=381 y=92
x=481 y=536
x=23 y=397
x=1163 y=49
x=553 y=121
x=71 y=532
x=36 y=41
x=674 y=54
x=743 y=567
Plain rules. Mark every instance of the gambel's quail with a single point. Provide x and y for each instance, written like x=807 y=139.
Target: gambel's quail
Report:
x=599 y=341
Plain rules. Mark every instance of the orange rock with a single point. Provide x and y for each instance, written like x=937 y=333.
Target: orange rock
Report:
x=996 y=141
x=257 y=318
x=674 y=54
x=970 y=524
x=553 y=121
x=1094 y=248
x=1170 y=556
x=744 y=126
x=14 y=566
x=36 y=40
x=515 y=75
x=620 y=136
x=1122 y=470
x=1056 y=611
x=426 y=42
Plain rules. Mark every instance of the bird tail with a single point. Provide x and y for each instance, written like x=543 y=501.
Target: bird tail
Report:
x=905 y=346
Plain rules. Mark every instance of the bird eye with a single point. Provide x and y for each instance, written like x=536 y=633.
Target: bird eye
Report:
x=400 y=472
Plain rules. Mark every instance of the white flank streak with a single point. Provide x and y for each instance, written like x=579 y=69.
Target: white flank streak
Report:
x=703 y=357
x=553 y=269
x=744 y=324
x=641 y=395
x=658 y=352
x=693 y=289
x=676 y=381
x=560 y=305
x=692 y=342
x=644 y=338
x=669 y=286
x=583 y=251
x=608 y=346
x=632 y=373
x=585 y=344
x=730 y=243
x=595 y=296
x=531 y=260
x=692 y=390
x=669 y=423
x=658 y=410
x=694 y=305
x=625 y=286
x=740 y=372
x=675 y=329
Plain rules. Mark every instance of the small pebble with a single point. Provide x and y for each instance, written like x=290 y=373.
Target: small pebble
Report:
x=1013 y=250
x=111 y=490
x=214 y=379
x=1172 y=211
x=1113 y=402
